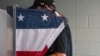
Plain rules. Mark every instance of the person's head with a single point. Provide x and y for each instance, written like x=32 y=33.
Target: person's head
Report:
x=43 y=4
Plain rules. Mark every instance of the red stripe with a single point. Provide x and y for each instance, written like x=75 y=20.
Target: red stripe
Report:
x=32 y=53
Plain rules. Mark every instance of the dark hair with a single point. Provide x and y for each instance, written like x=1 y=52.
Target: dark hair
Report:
x=42 y=4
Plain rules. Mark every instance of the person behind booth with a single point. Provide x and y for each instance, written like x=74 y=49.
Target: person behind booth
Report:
x=63 y=44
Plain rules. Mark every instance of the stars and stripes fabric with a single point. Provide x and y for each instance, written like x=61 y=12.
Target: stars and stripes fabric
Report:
x=36 y=30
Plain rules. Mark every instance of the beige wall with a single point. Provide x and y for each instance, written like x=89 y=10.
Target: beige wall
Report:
x=84 y=20
x=4 y=3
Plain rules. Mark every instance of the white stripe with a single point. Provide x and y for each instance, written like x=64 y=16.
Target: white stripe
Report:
x=36 y=39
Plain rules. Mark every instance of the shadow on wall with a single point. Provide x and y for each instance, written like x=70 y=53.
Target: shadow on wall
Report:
x=9 y=53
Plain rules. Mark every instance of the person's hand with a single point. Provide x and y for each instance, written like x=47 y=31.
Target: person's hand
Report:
x=58 y=54
x=57 y=14
x=48 y=7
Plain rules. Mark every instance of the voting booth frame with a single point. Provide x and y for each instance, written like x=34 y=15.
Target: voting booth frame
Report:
x=12 y=52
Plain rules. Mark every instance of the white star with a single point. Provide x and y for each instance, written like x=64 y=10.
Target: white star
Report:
x=20 y=17
x=45 y=17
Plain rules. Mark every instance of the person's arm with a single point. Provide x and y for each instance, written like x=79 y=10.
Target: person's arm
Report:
x=58 y=54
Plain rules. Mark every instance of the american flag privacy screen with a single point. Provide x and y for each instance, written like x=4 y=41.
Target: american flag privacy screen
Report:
x=36 y=30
